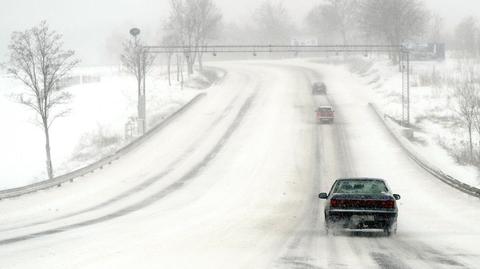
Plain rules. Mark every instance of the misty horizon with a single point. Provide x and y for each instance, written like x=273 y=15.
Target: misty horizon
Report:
x=89 y=26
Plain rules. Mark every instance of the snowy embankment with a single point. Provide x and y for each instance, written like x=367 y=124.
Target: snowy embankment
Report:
x=436 y=130
x=104 y=102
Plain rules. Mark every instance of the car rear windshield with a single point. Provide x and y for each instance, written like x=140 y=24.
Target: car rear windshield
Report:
x=325 y=109
x=319 y=85
x=360 y=187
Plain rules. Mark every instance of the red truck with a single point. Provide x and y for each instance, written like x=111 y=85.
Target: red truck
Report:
x=325 y=114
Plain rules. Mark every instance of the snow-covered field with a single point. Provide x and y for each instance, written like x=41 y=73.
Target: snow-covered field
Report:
x=95 y=127
x=436 y=124
x=233 y=183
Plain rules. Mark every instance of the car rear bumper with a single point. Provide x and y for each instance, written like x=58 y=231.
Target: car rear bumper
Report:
x=361 y=219
x=325 y=119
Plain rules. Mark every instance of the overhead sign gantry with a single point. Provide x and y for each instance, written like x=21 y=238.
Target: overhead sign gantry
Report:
x=401 y=51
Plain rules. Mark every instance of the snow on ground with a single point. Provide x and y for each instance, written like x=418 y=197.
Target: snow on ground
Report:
x=213 y=143
x=236 y=178
x=432 y=109
x=103 y=102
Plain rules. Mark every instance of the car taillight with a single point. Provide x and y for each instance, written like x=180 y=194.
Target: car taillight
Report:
x=388 y=204
x=339 y=203
x=362 y=203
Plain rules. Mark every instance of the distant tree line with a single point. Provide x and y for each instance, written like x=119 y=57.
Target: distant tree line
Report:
x=196 y=23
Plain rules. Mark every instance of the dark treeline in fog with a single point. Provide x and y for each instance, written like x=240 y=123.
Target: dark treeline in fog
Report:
x=342 y=22
x=194 y=23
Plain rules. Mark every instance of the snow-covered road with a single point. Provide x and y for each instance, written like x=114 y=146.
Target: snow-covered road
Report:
x=233 y=183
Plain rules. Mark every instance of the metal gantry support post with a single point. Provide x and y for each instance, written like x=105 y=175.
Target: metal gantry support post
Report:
x=403 y=69
x=406 y=69
x=144 y=91
x=408 y=88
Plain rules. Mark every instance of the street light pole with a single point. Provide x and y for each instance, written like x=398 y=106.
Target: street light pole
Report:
x=141 y=68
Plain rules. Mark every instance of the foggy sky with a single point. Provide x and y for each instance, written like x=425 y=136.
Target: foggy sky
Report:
x=88 y=24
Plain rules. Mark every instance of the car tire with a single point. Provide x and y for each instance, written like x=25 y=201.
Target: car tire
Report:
x=387 y=232
x=328 y=226
x=391 y=230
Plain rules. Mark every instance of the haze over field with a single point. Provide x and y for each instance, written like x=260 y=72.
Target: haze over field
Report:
x=90 y=26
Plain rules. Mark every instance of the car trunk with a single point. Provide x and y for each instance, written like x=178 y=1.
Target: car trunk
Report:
x=362 y=201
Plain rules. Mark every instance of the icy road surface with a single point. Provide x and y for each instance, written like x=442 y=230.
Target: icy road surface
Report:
x=233 y=183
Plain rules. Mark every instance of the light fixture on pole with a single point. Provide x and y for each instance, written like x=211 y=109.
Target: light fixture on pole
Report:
x=134 y=32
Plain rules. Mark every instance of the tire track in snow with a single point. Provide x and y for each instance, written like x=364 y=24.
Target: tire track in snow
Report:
x=178 y=184
x=426 y=253
x=301 y=253
x=302 y=235
x=362 y=250
x=304 y=244
x=139 y=187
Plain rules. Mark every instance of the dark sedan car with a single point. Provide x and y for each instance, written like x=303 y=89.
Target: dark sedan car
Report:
x=319 y=88
x=361 y=203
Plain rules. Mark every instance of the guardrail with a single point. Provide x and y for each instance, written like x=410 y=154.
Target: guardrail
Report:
x=427 y=166
x=70 y=177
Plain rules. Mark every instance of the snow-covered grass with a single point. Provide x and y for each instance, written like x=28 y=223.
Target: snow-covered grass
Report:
x=439 y=133
x=104 y=100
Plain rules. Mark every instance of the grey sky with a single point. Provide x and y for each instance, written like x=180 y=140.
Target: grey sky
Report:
x=87 y=24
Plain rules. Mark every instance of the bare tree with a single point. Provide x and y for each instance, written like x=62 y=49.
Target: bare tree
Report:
x=180 y=65
x=334 y=17
x=436 y=26
x=38 y=60
x=171 y=39
x=273 y=23
x=345 y=11
x=466 y=36
x=393 y=21
x=137 y=62
x=323 y=22
x=181 y=24
x=467 y=96
x=207 y=24
x=195 y=22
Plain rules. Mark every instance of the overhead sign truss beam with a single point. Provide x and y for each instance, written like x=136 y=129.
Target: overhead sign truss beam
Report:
x=273 y=48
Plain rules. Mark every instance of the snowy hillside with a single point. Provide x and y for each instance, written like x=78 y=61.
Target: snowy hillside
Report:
x=439 y=134
x=104 y=100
